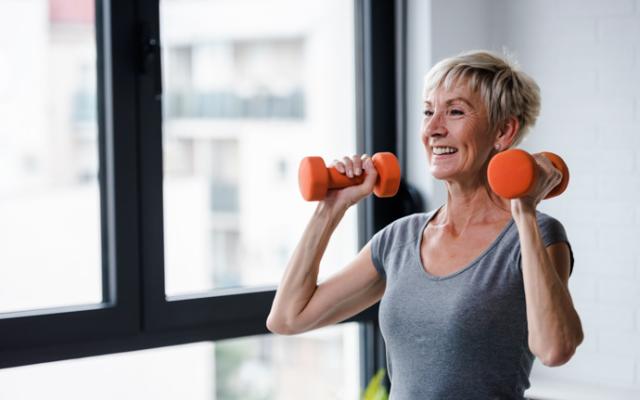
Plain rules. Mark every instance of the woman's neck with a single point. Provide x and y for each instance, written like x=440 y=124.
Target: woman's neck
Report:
x=471 y=206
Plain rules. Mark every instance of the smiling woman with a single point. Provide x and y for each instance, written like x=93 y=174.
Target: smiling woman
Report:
x=472 y=291
x=495 y=257
x=467 y=99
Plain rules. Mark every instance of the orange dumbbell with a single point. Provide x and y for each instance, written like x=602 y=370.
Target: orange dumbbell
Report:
x=512 y=173
x=315 y=179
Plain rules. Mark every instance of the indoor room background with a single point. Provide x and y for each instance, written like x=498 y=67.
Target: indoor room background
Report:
x=249 y=88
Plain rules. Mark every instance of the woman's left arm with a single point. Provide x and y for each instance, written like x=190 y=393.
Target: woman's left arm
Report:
x=554 y=326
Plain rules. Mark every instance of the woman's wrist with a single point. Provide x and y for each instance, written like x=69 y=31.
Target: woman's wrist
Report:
x=330 y=210
x=521 y=208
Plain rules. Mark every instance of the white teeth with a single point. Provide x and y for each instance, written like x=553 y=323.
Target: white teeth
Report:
x=443 y=150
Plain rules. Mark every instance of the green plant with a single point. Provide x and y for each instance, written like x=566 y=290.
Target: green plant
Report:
x=375 y=389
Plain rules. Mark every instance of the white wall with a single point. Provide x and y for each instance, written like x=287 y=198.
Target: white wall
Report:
x=585 y=55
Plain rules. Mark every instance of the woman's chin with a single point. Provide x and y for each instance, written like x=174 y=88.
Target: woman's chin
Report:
x=440 y=174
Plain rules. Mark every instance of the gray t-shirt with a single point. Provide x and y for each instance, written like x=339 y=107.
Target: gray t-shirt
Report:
x=460 y=336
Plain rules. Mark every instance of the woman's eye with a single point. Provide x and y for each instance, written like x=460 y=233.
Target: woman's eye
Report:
x=456 y=111
x=428 y=113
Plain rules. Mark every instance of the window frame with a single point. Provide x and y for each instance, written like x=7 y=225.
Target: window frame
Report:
x=135 y=313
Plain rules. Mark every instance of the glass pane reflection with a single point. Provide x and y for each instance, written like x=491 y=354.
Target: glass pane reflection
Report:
x=246 y=97
x=318 y=365
x=49 y=193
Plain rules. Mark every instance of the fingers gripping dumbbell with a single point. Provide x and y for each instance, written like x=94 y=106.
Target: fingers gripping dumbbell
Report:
x=512 y=173
x=315 y=179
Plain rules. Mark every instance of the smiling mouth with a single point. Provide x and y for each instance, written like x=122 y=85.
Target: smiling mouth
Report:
x=443 y=151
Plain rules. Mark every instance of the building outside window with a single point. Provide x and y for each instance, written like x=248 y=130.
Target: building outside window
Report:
x=246 y=96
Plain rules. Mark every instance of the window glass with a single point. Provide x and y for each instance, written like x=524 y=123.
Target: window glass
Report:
x=318 y=365
x=247 y=95
x=49 y=193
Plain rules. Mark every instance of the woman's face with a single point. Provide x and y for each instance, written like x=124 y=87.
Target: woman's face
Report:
x=455 y=133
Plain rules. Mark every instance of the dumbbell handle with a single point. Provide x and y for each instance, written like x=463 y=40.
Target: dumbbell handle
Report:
x=338 y=180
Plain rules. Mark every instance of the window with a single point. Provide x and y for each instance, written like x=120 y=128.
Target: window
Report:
x=316 y=365
x=49 y=193
x=148 y=187
x=238 y=104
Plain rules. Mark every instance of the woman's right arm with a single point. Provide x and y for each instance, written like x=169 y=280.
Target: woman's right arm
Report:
x=300 y=304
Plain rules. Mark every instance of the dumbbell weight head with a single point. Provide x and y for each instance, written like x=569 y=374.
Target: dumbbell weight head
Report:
x=313 y=178
x=388 y=168
x=512 y=173
x=561 y=166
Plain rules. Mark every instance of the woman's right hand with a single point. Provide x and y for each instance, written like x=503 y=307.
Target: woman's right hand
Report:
x=352 y=166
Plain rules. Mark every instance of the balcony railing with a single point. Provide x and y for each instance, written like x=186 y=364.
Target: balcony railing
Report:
x=224 y=105
x=230 y=105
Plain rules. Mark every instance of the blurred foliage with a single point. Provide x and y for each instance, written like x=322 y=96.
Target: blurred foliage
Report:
x=375 y=389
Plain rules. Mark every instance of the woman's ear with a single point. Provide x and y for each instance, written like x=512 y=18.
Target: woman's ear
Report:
x=507 y=133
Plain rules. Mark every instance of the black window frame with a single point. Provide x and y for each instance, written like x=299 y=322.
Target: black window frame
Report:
x=135 y=313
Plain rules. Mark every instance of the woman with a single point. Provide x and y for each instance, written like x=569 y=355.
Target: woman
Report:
x=470 y=292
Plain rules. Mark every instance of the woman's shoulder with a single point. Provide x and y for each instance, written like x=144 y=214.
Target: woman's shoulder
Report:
x=547 y=221
x=551 y=228
x=406 y=228
x=412 y=222
x=542 y=216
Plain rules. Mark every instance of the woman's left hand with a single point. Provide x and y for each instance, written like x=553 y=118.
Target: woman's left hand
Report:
x=547 y=178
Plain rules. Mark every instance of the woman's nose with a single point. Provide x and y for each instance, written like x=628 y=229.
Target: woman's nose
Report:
x=434 y=125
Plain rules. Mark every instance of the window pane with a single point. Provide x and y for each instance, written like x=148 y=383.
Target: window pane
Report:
x=247 y=95
x=49 y=194
x=318 y=365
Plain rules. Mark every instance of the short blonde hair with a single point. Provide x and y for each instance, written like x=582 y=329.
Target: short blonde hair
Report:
x=505 y=90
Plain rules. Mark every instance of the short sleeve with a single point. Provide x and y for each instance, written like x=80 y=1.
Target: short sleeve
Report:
x=552 y=231
x=378 y=244
x=388 y=241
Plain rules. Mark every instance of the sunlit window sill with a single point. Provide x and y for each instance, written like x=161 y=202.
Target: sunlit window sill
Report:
x=553 y=390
